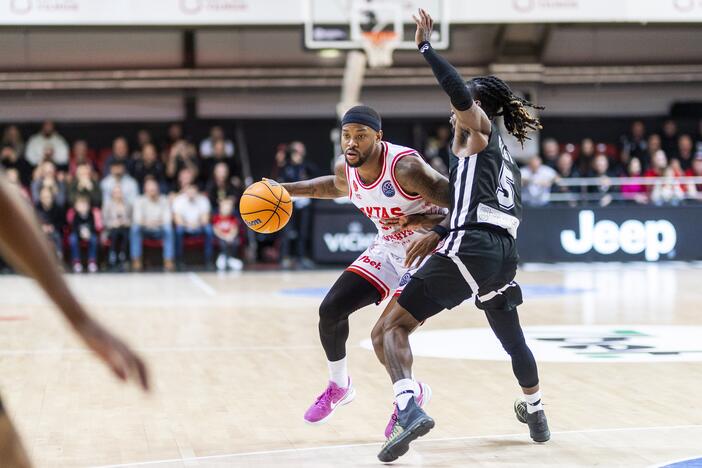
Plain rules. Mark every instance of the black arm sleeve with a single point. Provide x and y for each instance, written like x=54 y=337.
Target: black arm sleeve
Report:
x=448 y=78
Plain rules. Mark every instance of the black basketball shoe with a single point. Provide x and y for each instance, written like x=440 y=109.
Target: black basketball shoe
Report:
x=412 y=422
x=538 y=426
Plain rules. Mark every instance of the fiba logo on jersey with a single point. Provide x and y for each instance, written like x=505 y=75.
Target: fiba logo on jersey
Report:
x=388 y=189
x=405 y=278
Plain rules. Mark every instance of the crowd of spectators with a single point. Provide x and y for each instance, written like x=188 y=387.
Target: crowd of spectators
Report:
x=103 y=207
x=660 y=155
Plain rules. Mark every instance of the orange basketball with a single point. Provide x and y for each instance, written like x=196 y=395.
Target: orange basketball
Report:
x=266 y=206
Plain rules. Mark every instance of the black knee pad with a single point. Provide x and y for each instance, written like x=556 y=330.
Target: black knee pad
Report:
x=505 y=298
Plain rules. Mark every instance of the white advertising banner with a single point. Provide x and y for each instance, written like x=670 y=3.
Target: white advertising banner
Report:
x=291 y=12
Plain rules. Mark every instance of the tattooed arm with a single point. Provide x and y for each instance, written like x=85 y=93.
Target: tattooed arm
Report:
x=417 y=178
x=330 y=186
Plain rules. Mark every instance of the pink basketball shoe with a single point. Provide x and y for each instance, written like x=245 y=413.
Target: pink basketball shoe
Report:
x=422 y=400
x=325 y=405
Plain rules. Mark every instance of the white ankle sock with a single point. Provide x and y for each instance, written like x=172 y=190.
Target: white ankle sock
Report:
x=338 y=372
x=534 y=402
x=404 y=390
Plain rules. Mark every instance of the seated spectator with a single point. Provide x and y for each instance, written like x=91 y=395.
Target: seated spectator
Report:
x=52 y=219
x=220 y=186
x=226 y=231
x=10 y=159
x=438 y=149
x=117 y=218
x=695 y=190
x=47 y=139
x=13 y=137
x=219 y=156
x=175 y=136
x=659 y=162
x=685 y=152
x=550 y=152
x=118 y=176
x=669 y=137
x=85 y=184
x=634 y=143
x=698 y=139
x=151 y=219
x=667 y=191
x=653 y=144
x=81 y=154
x=604 y=187
x=632 y=191
x=191 y=213
x=46 y=176
x=120 y=152
x=586 y=156
x=566 y=170
x=207 y=146
x=182 y=155
x=14 y=179
x=148 y=165
x=143 y=139
x=537 y=180
x=84 y=228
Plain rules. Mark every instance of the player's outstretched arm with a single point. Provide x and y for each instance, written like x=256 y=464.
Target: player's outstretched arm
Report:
x=25 y=247
x=329 y=186
x=470 y=117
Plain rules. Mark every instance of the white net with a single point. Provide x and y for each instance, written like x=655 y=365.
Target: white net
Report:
x=379 y=48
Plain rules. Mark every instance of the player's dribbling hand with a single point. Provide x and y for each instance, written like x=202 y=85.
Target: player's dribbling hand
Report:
x=123 y=362
x=419 y=249
x=425 y=23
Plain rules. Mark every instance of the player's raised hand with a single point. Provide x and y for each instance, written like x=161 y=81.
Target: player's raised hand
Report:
x=424 y=23
x=420 y=248
x=123 y=362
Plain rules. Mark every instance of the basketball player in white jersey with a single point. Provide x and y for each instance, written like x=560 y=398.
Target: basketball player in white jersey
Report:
x=405 y=198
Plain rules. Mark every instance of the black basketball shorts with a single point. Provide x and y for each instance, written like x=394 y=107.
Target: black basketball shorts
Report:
x=478 y=262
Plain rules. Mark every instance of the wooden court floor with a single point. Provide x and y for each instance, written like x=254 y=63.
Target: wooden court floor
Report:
x=235 y=361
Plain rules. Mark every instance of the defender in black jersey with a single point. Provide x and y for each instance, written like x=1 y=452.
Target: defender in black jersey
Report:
x=478 y=256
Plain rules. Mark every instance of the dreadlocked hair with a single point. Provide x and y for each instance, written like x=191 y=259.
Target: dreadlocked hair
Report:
x=496 y=98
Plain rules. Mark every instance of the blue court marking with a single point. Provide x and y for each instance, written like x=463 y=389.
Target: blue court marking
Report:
x=691 y=463
x=529 y=291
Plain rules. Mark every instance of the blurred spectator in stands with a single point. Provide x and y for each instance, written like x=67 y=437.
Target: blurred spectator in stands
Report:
x=191 y=213
x=85 y=184
x=10 y=159
x=84 y=228
x=52 y=219
x=48 y=138
x=13 y=137
x=148 y=165
x=280 y=160
x=667 y=191
x=698 y=139
x=120 y=152
x=226 y=230
x=669 y=137
x=296 y=169
x=118 y=176
x=181 y=155
x=13 y=178
x=152 y=219
x=634 y=191
x=218 y=156
x=117 y=217
x=175 y=135
x=696 y=171
x=685 y=151
x=81 y=154
x=220 y=186
x=537 y=180
x=566 y=170
x=46 y=176
x=604 y=188
x=659 y=162
x=438 y=149
x=207 y=146
x=633 y=144
x=653 y=145
x=143 y=139
x=586 y=156
x=550 y=152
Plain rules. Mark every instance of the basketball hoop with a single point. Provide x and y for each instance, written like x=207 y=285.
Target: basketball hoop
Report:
x=379 y=47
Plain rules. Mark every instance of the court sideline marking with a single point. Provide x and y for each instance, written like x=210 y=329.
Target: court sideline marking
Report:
x=444 y=439
x=201 y=284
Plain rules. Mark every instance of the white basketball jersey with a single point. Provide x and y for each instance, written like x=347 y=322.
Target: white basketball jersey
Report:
x=384 y=198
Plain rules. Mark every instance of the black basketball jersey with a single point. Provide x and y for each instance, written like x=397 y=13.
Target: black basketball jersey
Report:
x=486 y=188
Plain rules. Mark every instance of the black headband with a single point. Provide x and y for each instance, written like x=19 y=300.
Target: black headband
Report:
x=363 y=115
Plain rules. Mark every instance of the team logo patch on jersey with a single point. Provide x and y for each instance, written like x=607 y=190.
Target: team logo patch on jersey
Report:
x=388 y=189
x=405 y=279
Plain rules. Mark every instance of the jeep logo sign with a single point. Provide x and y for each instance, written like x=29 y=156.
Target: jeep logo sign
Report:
x=654 y=238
